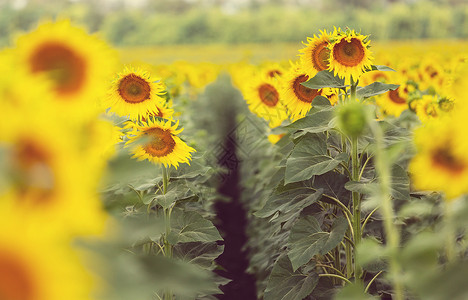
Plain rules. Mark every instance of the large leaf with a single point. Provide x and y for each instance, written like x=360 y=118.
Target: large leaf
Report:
x=285 y=284
x=324 y=79
x=308 y=158
x=307 y=239
x=191 y=227
x=374 y=89
x=201 y=254
x=291 y=200
x=316 y=122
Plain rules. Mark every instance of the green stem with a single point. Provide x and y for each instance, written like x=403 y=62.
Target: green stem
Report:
x=167 y=224
x=450 y=232
x=349 y=257
x=392 y=233
x=335 y=276
x=356 y=197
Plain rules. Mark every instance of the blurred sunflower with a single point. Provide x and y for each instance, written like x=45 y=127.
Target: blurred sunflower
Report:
x=297 y=98
x=77 y=64
x=394 y=102
x=49 y=178
x=162 y=111
x=427 y=107
x=315 y=57
x=157 y=141
x=135 y=93
x=349 y=54
x=33 y=261
x=441 y=162
x=263 y=97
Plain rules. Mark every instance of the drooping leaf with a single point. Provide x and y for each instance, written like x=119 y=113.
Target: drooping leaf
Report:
x=285 y=284
x=307 y=239
x=190 y=226
x=324 y=79
x=375 y=88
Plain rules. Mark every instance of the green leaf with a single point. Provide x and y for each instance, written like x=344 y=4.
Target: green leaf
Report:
x=191 y=227
x=324 y=79
x=380 y=68
x=199 y=253
x=307 y=239
x=308 y=158
x=370 y=254
x=353 y=291
x=374 y=89
x=317 y=122
x=285 y=284
x=291 y=200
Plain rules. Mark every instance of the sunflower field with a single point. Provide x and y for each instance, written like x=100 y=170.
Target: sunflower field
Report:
x=340 y=172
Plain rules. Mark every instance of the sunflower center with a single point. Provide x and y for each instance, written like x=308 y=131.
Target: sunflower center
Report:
x=15 y=281
x=65 y=67
x=303 y=93
x=268 y=94
x=320 y=56
x=395 y=97
x=349 y=54
x=444 y=158
x=34 y=172
x=274 y=73
x=161 y=142
x=134 y=89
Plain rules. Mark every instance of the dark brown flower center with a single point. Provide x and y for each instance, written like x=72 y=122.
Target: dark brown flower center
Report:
x=395 y=97
x=15 y=280
x=134 y=89
x=66 y=68
x=321 y=56
x=268 y=94
x=161 y=142
x=349 y=54
x=444 y=158
x=303 y=93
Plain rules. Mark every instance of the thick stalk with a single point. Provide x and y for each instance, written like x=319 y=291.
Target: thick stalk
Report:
x=356 y=197
x=167 y=224
x=450 y=231
x=392 y=233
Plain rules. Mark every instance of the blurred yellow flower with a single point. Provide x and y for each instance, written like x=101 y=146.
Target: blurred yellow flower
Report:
x=77 y=64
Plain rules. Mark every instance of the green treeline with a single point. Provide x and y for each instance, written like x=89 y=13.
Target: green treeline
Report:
x=124 y=26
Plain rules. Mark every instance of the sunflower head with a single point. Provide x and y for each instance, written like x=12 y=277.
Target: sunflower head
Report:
x=157 y=141
x=440 y=162
x=297 y=98
x=135 y=93
x=315 y=57
x=349 y=54
x=263 y=97
x=77 y=64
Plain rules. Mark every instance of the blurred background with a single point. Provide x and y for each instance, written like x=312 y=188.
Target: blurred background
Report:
x=143 y=23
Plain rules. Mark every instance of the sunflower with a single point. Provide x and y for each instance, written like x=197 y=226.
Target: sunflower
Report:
x=50 y=176
x=263 y=97
x=135 y=93
x=157 y=141
x=297 y=98
x=349 y=54
x=33 y=260
x=315 y=57
x=394 y=102
x=441 y=163
x=427 y=108
x=77 y=64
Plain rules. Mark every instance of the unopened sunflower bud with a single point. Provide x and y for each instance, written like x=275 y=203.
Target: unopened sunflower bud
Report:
x=352 y=119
